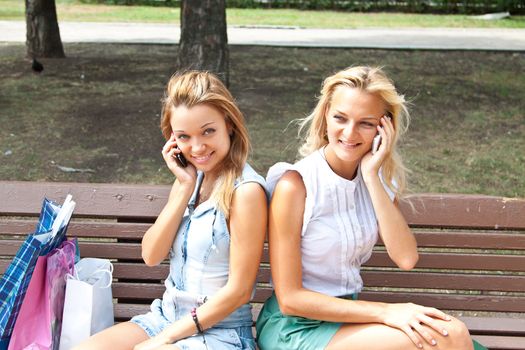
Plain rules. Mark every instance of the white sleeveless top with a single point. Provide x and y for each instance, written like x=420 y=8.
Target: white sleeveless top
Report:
x=339 y=225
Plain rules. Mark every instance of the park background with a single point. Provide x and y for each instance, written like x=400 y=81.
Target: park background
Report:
x=93 y=116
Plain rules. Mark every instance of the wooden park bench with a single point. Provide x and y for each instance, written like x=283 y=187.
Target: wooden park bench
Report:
x=472 y=252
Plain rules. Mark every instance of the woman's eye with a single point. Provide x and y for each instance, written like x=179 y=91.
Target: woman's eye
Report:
x=182 y=137
x=369 y=125
x=209 y=131
x=339 y=118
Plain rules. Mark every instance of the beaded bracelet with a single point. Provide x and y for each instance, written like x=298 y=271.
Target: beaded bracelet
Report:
x=198 y=325
x=196 y=320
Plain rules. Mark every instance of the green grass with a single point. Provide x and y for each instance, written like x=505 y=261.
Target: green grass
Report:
x=99 y=109
x=70 y=10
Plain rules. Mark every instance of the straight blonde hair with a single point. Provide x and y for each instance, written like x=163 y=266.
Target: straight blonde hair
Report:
x=374 y=81
x=199 y=87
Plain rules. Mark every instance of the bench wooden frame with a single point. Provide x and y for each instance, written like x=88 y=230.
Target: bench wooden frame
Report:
x=472 y=251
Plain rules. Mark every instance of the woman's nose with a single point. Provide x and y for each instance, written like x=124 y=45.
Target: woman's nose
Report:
x=349 y=130
x=197 y=145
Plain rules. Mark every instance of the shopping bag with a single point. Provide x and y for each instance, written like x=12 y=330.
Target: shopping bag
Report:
x=59 y=264
x=40 y=317
x=49 y=234
x=88 y=306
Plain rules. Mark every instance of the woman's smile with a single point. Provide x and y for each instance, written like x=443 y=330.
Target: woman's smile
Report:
x=202 y=159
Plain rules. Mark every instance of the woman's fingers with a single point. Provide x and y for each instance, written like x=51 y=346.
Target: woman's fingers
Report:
x=172 y=153
x=169 y=145
x=430 y=322
x=388 y=128
x=433 y=312
x=423 y=332
x=413 y=336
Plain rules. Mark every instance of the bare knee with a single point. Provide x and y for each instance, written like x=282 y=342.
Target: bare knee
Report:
x=82 y=346
x=458 y=335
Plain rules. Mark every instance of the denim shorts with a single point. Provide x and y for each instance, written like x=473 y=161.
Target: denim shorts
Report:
x=239 y=338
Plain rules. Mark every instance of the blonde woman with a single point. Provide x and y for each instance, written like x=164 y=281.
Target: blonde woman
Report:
x=212 y=228
x=325 y=216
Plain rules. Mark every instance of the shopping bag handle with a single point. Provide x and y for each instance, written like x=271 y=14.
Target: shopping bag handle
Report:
x=108 y=271
x=63 y=216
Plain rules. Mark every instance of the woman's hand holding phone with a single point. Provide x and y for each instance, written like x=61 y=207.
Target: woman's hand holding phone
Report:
x=179 y=166
x=179 y=157
x=381 y=146
x=376 y=143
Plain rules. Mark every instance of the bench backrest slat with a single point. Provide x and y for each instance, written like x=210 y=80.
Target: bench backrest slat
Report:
x=101 y=200
x=470 y=211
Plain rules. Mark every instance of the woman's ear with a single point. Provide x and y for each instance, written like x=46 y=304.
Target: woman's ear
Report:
x=229 y=127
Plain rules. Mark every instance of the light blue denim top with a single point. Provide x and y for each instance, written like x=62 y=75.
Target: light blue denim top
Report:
x=200 y=257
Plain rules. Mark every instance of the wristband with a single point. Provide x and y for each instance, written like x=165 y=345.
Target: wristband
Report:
x=196 y=320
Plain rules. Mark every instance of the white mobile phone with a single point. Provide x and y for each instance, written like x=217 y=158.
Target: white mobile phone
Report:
x=376 y=143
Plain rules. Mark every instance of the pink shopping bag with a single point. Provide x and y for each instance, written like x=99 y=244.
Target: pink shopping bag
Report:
x=39 y=323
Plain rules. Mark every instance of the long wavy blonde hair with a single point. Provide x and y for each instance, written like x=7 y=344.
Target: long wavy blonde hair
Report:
x=192 y=88
x=372 y=80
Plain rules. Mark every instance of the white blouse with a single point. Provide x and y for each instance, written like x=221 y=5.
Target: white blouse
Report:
x=339 y=225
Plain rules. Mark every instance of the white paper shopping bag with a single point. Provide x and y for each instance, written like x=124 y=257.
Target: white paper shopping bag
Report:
x=88 y=305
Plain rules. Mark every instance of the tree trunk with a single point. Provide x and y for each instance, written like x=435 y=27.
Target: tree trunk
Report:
x=203 y=38
x=43 y=34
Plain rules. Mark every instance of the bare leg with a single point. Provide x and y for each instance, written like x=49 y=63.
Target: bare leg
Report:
x=123 y=336
x=375 y=336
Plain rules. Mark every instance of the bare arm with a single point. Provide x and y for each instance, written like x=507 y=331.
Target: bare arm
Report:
x=285 y=223
x=248 y=219
x=399 y=240
x=158 y=239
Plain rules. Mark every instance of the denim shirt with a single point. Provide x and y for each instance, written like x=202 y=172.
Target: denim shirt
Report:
x=200 y=257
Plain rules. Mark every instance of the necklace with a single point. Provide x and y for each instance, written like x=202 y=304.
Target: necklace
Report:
x=204 y=195
x=205 y=191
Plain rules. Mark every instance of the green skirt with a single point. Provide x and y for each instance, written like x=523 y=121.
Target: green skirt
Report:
x=276 y=331
x=478 y=346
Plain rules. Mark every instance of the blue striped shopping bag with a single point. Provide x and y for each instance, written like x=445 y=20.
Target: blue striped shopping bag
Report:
x=50 y=233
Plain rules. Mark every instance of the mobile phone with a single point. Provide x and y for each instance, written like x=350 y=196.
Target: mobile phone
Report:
x=179 y=157
x=376 y=143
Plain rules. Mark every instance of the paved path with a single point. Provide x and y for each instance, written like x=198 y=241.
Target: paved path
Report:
x=432 y=38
